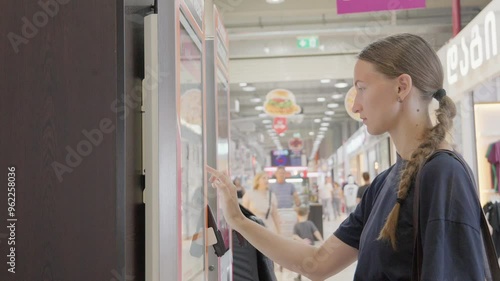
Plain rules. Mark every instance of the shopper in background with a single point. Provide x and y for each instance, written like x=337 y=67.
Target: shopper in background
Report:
x=350 y=193
x=240 y=190
x=396 y=78
x=336 y=200
x=362 y=189
x=262 y=202
x=305 y=230
x=325 y=197
x=285 y=191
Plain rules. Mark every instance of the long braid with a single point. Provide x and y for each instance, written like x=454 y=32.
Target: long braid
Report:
x=432 y=139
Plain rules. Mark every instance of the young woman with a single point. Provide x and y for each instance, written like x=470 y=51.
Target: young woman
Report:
x=262 y=202
x=396 y=79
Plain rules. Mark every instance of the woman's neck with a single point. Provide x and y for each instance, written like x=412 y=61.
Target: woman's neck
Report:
x=408 y=133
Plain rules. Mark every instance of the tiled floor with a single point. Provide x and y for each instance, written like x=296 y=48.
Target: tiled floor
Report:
x=346 y=275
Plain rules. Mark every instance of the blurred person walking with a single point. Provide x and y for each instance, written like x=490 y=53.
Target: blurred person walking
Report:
x=350 y=193
x=325 y=192
x=362 y=189
x=285 y=192
x=262 y=202
x=336 y=200
x=305 y=230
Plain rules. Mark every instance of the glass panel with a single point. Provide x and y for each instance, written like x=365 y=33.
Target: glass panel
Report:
x=191 y=121
x=222 y=144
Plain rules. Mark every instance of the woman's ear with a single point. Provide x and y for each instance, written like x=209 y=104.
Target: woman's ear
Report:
x=405 y=85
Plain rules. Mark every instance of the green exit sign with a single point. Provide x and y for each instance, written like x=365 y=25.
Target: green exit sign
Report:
x=308 y=42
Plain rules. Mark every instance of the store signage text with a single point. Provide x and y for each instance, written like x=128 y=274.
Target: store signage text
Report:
x=483 y=45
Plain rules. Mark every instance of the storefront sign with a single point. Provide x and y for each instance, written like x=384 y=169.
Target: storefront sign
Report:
x=361 y=6
x=472 y=57
x=280 y=125
x=473 y=49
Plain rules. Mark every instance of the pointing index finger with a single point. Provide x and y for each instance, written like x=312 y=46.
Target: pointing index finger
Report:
x=223 y=177
x=214 y=172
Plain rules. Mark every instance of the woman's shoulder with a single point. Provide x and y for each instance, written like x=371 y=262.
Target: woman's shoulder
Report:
x=250 y=193
x=443 y=164
x=445 y=170
x=447 y=190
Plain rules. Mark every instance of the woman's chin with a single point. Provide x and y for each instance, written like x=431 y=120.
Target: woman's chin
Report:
x=374 y=131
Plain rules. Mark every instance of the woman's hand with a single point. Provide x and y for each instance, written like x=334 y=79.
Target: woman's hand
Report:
x=229 y=198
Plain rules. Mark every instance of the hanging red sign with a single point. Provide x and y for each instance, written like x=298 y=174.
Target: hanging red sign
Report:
x=295 y=144
x=280 y=125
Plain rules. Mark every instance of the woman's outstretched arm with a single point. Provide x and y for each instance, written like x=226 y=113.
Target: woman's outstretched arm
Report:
x=315 y=263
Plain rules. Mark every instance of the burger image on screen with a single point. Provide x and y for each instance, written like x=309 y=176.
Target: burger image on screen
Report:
x=280 y=102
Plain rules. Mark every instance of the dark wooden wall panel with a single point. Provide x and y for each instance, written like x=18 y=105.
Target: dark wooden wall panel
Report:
x=66 y=79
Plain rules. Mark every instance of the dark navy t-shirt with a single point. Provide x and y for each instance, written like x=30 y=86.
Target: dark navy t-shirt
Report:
x=449 y=226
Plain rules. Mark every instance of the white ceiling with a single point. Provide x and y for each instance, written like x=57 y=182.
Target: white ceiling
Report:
x=264 y=53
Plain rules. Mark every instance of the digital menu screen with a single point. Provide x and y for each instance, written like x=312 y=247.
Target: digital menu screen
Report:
x=286 y=157
x=280 y=158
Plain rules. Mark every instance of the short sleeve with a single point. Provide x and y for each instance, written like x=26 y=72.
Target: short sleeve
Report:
x=313 y=227
x=450 y=222
x=350 y=230
x=360 y=192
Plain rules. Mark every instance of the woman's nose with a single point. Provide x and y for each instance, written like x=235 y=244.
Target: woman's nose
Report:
x=356 y=106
